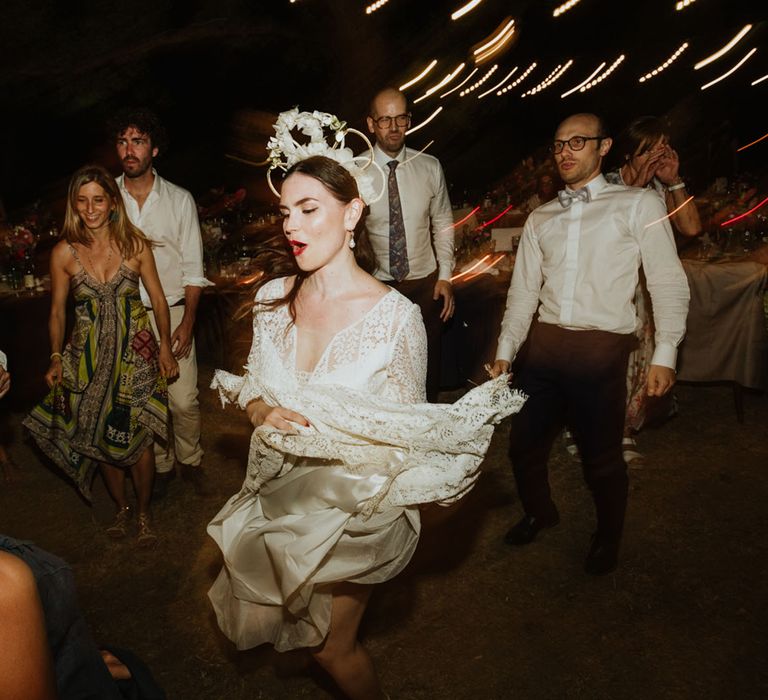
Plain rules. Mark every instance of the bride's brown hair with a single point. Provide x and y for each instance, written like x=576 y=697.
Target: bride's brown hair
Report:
x=278 y=261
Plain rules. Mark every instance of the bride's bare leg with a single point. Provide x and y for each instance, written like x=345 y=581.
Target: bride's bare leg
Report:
x=341 y=654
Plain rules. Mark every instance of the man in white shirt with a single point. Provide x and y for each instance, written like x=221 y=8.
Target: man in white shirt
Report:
x=167 y=214
x=578 y=264
x=411 y=225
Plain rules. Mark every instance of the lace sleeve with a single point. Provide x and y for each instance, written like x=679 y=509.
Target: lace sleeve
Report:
x=242 y=389
x=408 y=368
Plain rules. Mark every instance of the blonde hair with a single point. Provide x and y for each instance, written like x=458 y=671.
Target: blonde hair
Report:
x=129 y=240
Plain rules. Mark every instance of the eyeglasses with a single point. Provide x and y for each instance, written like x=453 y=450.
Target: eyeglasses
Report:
x=386 y=122
x=575 y=143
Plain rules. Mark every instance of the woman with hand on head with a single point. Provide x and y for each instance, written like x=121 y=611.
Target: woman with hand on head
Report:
x=108 y=400
x=648 y=160
x=345 y=446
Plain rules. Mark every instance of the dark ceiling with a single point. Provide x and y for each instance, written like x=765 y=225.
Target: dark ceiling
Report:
x=204 y=65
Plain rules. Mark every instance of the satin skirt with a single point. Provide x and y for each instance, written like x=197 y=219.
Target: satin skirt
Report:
x=287 y=546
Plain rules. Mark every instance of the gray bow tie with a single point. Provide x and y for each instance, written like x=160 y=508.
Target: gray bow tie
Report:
x=568 y=197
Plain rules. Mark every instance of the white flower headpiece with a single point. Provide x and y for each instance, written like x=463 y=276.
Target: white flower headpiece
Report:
x=284 y=151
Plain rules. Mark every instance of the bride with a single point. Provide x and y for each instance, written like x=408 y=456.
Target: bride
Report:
x=345 y=449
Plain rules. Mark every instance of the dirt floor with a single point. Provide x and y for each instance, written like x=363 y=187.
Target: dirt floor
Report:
x=685 y=616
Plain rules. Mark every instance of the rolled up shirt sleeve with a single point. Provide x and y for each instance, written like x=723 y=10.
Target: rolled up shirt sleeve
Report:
x=191 y=243
x=441 y=221
x=665 y=277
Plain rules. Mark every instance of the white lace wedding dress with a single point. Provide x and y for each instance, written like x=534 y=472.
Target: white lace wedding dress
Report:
x=337 y=501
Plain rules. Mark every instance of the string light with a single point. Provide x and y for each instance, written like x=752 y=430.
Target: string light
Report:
x=423 y=73
x=425 y=122
x=585 y=81
x=555 y=75
x=759 y=80
x=498 y=85
x=458 y=14
x=374 y=6
x=665 y=65
x=478 y=83
x=447 y=79
x=764 y=136
x=725 y=49
x=496 y=43
x=683 y=4
x=517 y=80
x=603 y=75
x=564 y=7
x=445 y=94
x=728 y=72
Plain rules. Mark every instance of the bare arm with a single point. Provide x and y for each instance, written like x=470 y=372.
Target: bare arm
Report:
x=60 y=279
x=148 y=271
x=686 y=220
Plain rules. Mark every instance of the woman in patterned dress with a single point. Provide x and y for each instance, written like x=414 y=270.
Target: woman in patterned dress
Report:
x=108 y=399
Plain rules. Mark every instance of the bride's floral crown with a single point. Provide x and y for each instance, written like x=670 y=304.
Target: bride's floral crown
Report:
x=285 y=151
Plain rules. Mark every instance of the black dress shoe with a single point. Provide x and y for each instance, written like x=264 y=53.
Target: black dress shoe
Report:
x=196 y=475
x=603 y=557
x=160 y=487
x=526 y=530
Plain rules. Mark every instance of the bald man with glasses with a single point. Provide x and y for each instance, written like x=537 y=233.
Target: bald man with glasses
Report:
x=411 y=225
x=576 y=270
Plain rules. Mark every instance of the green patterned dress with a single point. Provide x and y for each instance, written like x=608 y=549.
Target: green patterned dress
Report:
x=112 y=401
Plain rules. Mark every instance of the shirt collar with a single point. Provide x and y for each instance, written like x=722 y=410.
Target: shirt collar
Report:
x=594 y=185
x=155 y=183
x=383 y=158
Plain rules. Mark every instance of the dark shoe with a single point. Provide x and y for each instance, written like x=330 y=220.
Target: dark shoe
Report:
x=160 y=488
x=526 y=530
x=197 y=476
x=603 y=557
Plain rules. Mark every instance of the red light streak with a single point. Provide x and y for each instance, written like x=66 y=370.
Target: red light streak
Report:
x=746 y=213
x=468 y=216
x=764 y=136
x=672 y=213
x=496 y=218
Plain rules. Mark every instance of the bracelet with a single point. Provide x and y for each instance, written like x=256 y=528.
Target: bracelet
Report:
x=678 y=186
x=56 y=354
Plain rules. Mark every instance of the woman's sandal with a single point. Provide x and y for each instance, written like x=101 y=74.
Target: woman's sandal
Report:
x=119 y=529
x=629 y=450
x=145 y=536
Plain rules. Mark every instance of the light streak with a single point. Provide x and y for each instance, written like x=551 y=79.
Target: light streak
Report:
x=555 y=75
x=665 y=65
x=728 y=72
x=373 y=6
x=564 y=7
x=725 y=48
x=585 y=81
x=672 y=213
x=479 y=82
x=603 y=75
x=467 y=217
x=447 y=79
x=498 y=85
x=425 y=122
x=683 y=4
x=517 y=80
x=764 y=136
x=423 y=73
x=746 y=213
x=479 y=262
x=487 y=267
x=458 y=14
x=495 y=38
x=759 y=80
x=497 y=217
x=445 y=94
x=481 y=56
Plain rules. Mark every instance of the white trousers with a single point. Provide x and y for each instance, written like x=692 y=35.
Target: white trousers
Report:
x=184 y=409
